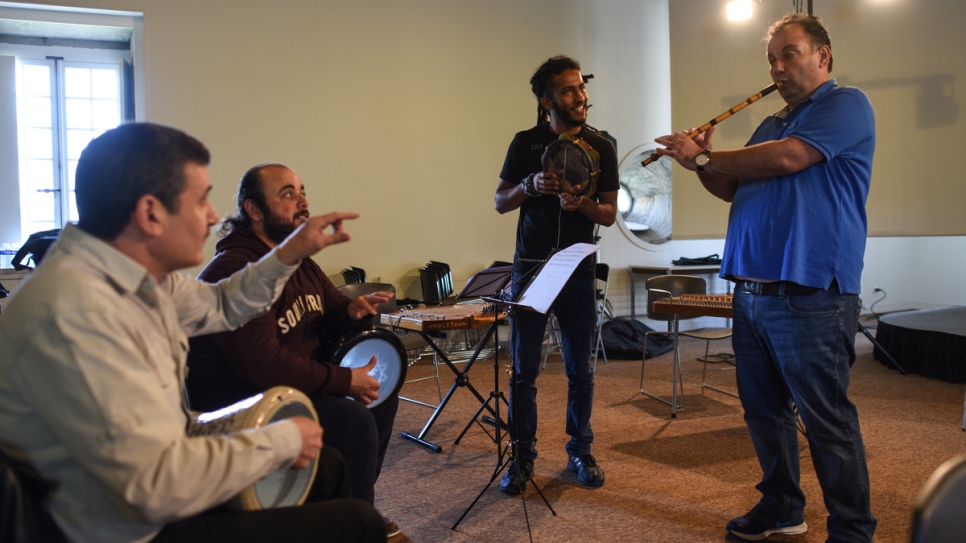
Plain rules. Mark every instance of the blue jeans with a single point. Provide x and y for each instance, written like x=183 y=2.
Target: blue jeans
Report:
x=576 y=315
x=800 y=349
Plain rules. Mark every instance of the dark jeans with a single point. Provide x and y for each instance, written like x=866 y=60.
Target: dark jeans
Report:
x=576 y=315
x=360 y=435
x=327 y=516
x=800 y=349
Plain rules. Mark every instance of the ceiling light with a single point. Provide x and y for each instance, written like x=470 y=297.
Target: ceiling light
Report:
x=739 y=10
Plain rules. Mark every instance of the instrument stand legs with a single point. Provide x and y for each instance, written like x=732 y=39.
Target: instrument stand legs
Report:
x=504 y=455
x=462 y=380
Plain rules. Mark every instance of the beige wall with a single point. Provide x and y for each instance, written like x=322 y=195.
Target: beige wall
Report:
x=402 y=111
x=905 y=54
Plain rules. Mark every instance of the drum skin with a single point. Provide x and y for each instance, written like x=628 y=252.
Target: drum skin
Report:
x=355 y=351
x=285 y=487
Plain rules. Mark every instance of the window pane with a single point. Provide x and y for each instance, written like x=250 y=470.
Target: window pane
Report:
x=40 y=174
x=71 y=171
x=106 y=113
x=77 y=140
x=36 y=80
x=77 y=82
x=42 y=208
x=78 y=113
x=104 y=84
x=39 y=226
x=39 y=143
x=73 y=216
x=37 y=111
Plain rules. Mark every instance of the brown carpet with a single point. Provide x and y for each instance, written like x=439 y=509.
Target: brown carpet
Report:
x=668 y=480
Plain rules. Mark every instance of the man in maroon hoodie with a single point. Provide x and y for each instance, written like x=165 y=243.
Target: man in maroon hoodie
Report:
x=286 y=345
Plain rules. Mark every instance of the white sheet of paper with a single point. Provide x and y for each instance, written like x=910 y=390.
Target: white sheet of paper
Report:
x=545 y=287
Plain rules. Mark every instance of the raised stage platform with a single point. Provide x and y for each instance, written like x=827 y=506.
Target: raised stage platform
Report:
x=931 y=342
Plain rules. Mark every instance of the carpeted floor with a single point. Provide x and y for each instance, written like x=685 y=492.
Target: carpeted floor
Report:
x=667 y=480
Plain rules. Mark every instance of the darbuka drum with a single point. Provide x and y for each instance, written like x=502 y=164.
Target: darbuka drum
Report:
x=575 y=162
x=355 y=351
x=281 y=488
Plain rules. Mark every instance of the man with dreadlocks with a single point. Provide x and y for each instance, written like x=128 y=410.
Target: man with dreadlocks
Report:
x=552 y=219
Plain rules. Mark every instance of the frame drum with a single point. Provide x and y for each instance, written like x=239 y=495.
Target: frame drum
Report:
x=283 y=487
x=355 y=350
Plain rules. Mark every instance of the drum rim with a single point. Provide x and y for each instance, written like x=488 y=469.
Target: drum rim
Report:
x=349 y=340
x=272 y=400
x=248 y=499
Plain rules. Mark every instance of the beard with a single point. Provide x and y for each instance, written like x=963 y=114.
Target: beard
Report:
x=567 y=116
x=277 y=227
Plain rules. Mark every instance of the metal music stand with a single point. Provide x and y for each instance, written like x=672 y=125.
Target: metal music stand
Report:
x=559 y=267
x=507 y=454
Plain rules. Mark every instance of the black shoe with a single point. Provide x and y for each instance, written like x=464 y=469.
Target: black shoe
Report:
x=756 y=526
x=515 y=481
x=587 y=470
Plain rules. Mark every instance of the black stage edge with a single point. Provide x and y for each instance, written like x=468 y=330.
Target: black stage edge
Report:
x=930 y=342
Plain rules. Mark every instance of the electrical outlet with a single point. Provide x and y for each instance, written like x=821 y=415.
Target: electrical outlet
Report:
x=877 y=289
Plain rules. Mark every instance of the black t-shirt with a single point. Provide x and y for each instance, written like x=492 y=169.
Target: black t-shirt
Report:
x=537 y=226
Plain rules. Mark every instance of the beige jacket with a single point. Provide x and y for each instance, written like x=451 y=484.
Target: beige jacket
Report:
x=92 y=361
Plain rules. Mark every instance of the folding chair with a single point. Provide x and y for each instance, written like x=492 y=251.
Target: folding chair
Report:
x=668 y=286
x=602 y=273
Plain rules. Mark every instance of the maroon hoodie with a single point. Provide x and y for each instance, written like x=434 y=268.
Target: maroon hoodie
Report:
x=284 y=347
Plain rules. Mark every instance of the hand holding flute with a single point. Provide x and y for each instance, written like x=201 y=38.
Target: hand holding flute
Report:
x=673 y=147
x=684 y=146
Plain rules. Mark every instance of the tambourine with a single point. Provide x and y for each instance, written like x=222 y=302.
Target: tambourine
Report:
x=355 y=350
x=575 y=162
x=285 y=487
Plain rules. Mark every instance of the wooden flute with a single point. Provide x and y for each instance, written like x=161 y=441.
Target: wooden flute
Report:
x=704 y=128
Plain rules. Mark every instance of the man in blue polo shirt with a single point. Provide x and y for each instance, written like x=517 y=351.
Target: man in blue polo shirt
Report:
x=795 y=244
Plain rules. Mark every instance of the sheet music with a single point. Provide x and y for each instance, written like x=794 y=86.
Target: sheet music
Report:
x=545 y=287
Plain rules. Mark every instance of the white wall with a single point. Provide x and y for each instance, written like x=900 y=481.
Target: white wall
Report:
x=9 y=169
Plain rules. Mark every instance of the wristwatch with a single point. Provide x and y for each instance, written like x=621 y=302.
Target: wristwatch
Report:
x=702 y=160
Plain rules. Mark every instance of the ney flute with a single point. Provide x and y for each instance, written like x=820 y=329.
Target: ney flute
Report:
x=704 y=128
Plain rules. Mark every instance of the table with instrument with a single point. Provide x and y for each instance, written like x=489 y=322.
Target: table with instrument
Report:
x=433 y=322
x=702 y=305
x=653 y=271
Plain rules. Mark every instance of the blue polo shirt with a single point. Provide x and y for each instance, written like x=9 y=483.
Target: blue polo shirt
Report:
x=809 y=227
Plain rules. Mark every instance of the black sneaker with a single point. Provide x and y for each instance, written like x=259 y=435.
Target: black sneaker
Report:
x=587 y=470
x=756 y=526
x=515 y=481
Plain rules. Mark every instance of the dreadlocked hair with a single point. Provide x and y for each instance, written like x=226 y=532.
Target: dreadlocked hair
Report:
x=540 y=82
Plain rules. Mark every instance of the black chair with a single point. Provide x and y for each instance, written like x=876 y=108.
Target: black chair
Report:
x=23 y=518
x=938 y=513
x=353 y=274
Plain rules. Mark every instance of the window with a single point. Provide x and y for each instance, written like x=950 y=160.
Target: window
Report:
x=62 y=106
x=75 y=72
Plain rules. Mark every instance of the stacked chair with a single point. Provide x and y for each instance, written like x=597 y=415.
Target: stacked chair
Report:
x=353 y=274
x=437 y=282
